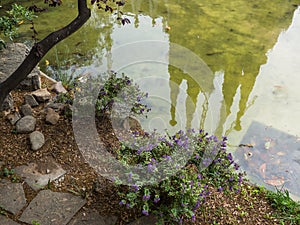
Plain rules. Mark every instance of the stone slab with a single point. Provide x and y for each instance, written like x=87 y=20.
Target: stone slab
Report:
x=52 y=208
x=92 y=218
x=145 y=220
x=12 y=196
x=7 y=221
x=37 y=175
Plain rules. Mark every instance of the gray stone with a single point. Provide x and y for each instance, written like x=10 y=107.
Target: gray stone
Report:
x=26 y=110
x=56 y=106
x=36 y=81
x=26 y=124
x=52 y=117
x=37 y=175
x=92 y=218
x=7 y=221
x=52 y=208
x=11 y=58
x=2 y=77
x=13 y=117
x=37 y=140
x=42 y=95
x=12 y=197
x=30 y=100
x=31 y=82
x=8 y=103
x=58 y=88
x=145 y=220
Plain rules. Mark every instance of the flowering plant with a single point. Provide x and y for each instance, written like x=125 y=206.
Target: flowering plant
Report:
x=108 y=93
x=123 y=93
x=177 y=197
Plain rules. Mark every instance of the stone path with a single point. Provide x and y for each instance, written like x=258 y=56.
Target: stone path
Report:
x=48 y=207
x=51 y=208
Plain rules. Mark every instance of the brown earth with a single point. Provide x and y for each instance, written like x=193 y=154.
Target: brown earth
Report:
x=248 y=207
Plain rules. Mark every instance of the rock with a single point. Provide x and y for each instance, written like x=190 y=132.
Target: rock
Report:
x=12 y=197
x=3 y=76
x=56 y=106
x=26 y=110
x=92 y=218
x=52 y=117
x=8 y=103
x=52 y=208
x=38 y=174
x=32 y=81
x=7 y=221
x=42 y=95
x=26 y=124
x=58 y=88
x=30 y=100
x=36 y=81
x=13 y=117
x=11 y=57
x=37 y=140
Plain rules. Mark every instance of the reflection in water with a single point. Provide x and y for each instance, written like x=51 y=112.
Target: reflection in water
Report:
x=231 y=38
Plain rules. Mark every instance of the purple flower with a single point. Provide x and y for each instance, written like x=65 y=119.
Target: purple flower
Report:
x=193 y=218
x=229 y=156
x=135 y=188
x=146 y=197
x=220 y=189
x=197 y=156
x=240 y=179
x=156 y=200
x=236 y=166
x=121 y=202
x=145 y=212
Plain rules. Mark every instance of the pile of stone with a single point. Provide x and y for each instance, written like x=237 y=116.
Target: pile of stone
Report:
x=23 y=117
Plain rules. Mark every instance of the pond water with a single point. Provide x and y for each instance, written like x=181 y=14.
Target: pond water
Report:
x=229 y=67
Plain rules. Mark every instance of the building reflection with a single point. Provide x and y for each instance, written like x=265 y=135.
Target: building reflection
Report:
x=233 y=38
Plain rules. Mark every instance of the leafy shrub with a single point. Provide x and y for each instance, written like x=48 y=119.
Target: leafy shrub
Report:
x=121 y=91
x=15 y=17
x=176 y=198
x=118 y=96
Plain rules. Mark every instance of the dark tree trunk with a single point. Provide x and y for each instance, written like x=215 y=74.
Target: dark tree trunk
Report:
x=41 y=48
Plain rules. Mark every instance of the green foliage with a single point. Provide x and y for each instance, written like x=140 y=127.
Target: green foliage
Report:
x=109 y=94
x=288 y=208
x=2 y=44
x=7 y=172
x=176 y=198
x=123 y=92
x=35 y=222
x=15 y=17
